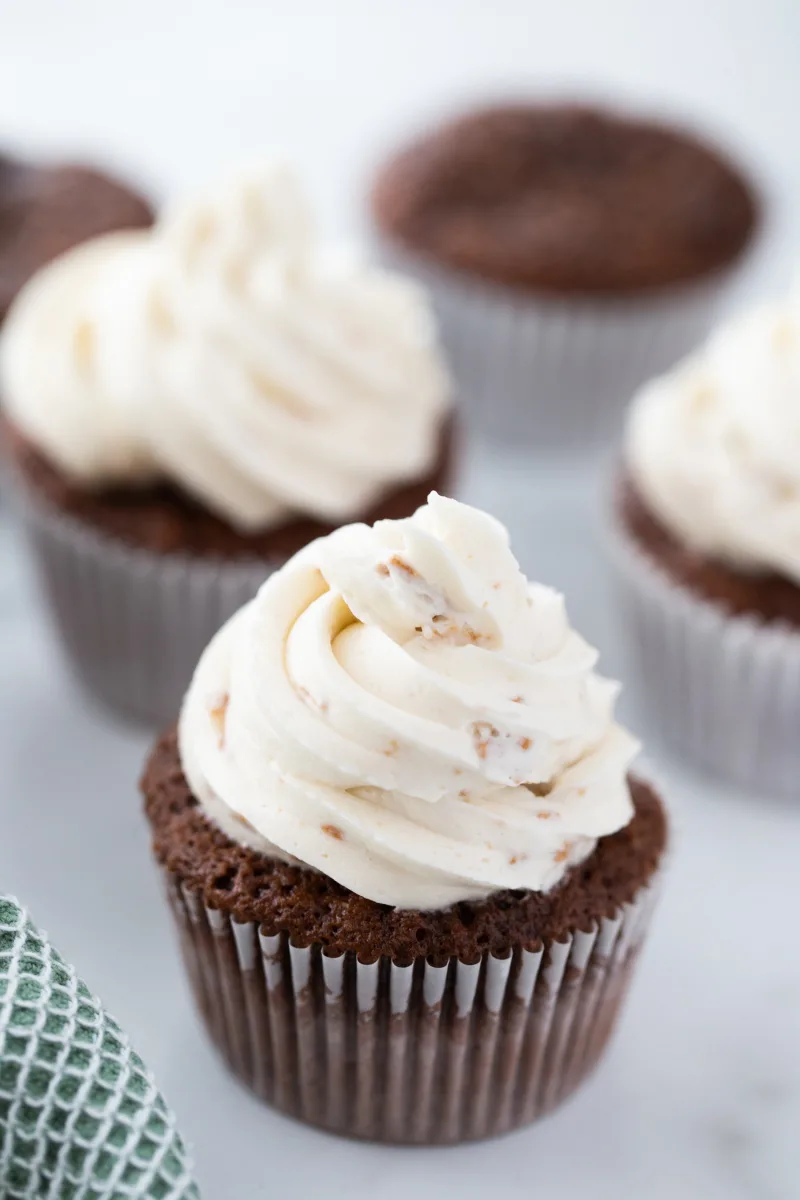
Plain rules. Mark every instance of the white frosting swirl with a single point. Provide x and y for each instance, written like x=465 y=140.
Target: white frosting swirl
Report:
x=55 y=385
x=401 y=710
x=714 y=446
x=229 y=351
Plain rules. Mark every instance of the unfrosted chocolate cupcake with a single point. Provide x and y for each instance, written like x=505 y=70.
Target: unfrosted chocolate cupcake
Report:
x=46 y=209
x=707 y=543
x=187 y=407
x=410 y=874
x=572 y=251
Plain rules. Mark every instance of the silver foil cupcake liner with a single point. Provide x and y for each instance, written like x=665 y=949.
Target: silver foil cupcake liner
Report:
x=132 y=623
x=423 y=1053
x=722 y=690
x=556 y=373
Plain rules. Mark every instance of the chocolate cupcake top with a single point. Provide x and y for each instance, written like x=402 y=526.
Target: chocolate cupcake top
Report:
x=567 y=199
x=401 y=710
x=230 y=352
x=45 y=210
x=713 y=447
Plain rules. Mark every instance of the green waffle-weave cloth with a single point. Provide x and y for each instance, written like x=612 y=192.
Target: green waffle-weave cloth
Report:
x=80 y=1115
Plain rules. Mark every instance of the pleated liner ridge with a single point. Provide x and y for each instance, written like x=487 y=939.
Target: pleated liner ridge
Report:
x=423 y=1053
x=133 y=623
x=556 y=373
x=721 y=690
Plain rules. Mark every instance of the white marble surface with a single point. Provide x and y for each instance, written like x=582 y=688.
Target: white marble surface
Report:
x=700 y=1095
x=699 y=1098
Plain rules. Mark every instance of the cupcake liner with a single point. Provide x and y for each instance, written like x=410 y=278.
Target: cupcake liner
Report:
x=555 y=373
x=422 y=1053
x=132 y=623
x=722 y=690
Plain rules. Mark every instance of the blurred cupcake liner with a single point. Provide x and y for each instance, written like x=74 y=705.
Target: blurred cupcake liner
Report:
x=722 y=690
x=535 y=371
x=421 y=1053
x=133 y=623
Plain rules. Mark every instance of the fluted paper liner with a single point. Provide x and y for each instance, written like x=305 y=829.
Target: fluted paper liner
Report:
x=722 y=690
x=556 y=373
x=133 y=623
x=423 y=1053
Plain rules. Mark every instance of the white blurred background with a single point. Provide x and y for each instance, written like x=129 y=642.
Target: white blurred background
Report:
x=172 y=90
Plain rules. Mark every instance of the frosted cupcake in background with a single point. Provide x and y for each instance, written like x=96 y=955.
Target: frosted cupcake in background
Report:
x=571 y=252
x=46 y=208
x=187 y=407
x=410 y=871
x=707 y=547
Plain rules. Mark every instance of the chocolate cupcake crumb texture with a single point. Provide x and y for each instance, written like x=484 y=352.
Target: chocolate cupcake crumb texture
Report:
x=313 y=909
x=567 y=199
x=163 y=519
x=766 y=596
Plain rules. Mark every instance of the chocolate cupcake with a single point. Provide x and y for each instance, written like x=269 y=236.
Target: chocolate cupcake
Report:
x=707 y=545
x=410 y=874
x=571 y=253
x=189 y=406
x=47 y=209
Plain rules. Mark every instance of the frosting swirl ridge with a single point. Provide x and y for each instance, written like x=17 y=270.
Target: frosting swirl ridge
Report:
x=714 y=446
x=400 y=709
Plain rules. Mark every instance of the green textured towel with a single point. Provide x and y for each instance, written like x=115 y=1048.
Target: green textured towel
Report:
x=80 y=1116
